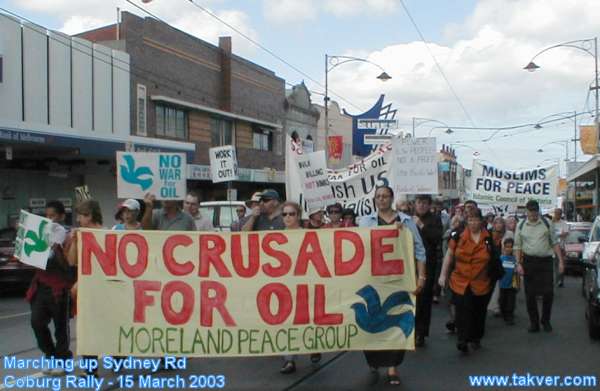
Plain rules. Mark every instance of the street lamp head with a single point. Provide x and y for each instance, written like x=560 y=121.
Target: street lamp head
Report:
x=449 y=131
x=384 y=76
x=540 y=150
x=538 y=126
x=531 y=67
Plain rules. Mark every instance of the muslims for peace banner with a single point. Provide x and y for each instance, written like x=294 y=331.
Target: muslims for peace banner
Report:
x=493 y=185
x=353 y=187
x=155 y=293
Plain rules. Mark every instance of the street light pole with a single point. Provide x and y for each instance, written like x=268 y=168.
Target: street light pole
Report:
x=326 y=109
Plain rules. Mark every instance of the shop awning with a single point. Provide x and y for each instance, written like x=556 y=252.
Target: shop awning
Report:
x=226 y=114
x=587 y=172
x=88 y=144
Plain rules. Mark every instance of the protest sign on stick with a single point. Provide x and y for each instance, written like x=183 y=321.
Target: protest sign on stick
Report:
x=35 y=237
x=223 y=164
x=415 y=166
x=160 y=173
x=315 y=183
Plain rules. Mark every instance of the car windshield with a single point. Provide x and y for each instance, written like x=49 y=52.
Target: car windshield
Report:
x=207 y=212
x=573 y=236
x=228 y=215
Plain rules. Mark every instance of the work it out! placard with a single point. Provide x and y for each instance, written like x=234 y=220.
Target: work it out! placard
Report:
x=162 y=174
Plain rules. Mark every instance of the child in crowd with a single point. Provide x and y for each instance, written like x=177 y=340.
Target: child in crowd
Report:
x=509 y=284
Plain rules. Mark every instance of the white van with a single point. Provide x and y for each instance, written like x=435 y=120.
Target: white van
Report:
x=221 y=213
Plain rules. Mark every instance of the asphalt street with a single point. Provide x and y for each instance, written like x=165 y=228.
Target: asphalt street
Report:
x=507 y=350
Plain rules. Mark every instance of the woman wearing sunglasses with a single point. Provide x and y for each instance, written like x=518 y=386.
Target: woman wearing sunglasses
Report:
x=292 y=219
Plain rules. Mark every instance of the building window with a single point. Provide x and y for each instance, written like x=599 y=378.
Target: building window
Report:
x=262 y=139
x=171 y=122
x=222 y=132
x=141 y=110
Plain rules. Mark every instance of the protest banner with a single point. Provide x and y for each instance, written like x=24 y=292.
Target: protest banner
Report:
x=223 y=164
x=155 y=293
x=353 y=187
x=415 y=166
x=160 y=173
x=492 y=185
x=314 y=180
x=35 y=237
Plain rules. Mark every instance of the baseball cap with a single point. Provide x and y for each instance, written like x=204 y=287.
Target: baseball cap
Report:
x=269 y=194
x=130 y=204
x=255 y=198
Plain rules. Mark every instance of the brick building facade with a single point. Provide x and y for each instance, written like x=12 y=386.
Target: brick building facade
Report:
x=184 y=88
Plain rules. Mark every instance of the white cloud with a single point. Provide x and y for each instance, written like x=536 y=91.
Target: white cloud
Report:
x=483 y=59
x=81 y=15
x=289 y=11
x=294 y=11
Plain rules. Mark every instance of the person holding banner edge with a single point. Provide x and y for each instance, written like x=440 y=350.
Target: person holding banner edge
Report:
x=292 y=218
x=385 y=215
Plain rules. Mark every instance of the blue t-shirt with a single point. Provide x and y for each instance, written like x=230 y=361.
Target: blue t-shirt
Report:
x=508 y=262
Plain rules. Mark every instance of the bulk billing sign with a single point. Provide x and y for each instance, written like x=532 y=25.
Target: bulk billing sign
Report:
x=158 y=173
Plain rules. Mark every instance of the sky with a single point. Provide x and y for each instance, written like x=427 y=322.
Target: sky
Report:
x=467 y=73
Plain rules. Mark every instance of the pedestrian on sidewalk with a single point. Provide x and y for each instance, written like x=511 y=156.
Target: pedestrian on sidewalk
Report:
x=471 y=252
x=431 y=230
x=509 y=284
x=498 y=232
x=535 y=243
x=292 y=218
x=385 y=216
x=561 y=230
x=49 y=295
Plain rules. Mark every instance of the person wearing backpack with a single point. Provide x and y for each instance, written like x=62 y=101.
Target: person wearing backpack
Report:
x=471 y=280
x=535 y=245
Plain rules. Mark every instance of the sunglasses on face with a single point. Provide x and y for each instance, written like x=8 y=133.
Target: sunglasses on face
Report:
x=286 y=214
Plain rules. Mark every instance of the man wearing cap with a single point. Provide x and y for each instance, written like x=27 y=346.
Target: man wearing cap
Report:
x=267 y=215
x=535 y=244
x=242 y=219
x=191 y=205
x=127 y=213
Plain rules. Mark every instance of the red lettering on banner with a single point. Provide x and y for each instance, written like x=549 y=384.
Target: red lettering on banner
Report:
x=285 y=262
x=344 y=268
x=143 y=300
x=106 y=258
x=322 y=317
x=284 y=307
x=175 y=268
x=137 y=269
x=212 y=255
x=302 y=315
x=237 y=255
x=380 y=267
x=208 y=304
x=187 y=293
x=311 y=239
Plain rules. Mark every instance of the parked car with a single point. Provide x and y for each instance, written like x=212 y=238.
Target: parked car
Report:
x=12 y=272
x=591 y=251
x=573 y=247
x=222 y=213
x=592 y=295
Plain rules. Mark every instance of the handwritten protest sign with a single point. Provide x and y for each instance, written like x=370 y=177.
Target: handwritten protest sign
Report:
x=244 y=293
x=160 y=173
x=353 y=187
x=223 y=164
x=35 y=237
x=415 y=166
x=314 y=180
x=493 y=185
